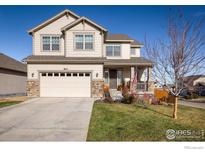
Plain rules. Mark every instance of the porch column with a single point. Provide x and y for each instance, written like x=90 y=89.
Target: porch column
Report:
x=133 y=72
x=147 y=82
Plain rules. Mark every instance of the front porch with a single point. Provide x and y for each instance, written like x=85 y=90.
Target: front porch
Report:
x=136 y=78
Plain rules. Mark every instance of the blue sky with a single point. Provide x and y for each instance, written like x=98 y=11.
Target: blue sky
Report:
x=135 y=21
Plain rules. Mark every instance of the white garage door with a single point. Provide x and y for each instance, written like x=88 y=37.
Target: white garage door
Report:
x=72 y=84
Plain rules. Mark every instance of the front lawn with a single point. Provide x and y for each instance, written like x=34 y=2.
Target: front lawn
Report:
x=121 y=122
x=4 y=104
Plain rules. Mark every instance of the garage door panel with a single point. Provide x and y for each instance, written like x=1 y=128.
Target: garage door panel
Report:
x=65 y=86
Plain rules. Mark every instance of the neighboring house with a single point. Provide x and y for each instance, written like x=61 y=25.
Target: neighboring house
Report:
x=13 y=76
x=74 y=57
x=194 y=83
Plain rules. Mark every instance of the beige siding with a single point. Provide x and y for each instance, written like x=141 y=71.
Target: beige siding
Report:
x=83 y=29
x=35 y=68
x=137 y=51
x=53 y=28
x=125 y=51
x=12 y=83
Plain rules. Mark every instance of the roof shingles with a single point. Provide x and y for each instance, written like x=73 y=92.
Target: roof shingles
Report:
x=89 y=60
x=11 y=64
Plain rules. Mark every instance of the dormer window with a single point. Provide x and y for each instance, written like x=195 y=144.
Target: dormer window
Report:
x=50 y=43
x=84 y=42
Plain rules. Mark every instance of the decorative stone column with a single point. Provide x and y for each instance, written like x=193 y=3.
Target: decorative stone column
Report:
x=97 y=88
x=33 y=88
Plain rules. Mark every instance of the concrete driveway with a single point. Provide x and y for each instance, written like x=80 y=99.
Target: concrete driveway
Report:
x=46 y=119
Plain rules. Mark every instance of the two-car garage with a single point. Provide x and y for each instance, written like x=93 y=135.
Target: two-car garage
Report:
x=65 y=84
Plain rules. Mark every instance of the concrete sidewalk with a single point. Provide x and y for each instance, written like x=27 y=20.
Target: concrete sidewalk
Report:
x=192 y=104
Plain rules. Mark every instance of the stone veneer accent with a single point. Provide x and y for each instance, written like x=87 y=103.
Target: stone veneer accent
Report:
x=33 y=88
x=97 y=88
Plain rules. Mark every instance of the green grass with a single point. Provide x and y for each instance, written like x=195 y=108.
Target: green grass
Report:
x=121 y=122
x=4 y=104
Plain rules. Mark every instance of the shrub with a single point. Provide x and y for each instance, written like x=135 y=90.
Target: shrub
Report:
x=155 y=101
x=128 y=99
x=108 y=100
x=125 y=90
x=191 y=95
x=105 y=100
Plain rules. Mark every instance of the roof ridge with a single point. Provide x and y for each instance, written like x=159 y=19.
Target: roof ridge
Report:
x=51 y=20
x=78 y=20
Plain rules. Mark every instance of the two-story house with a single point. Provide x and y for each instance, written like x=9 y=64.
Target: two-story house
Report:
x=74 y=57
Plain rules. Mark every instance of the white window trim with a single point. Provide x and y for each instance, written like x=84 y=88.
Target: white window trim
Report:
x=131 y=51
x=74 y=43
x=113 y=50
x=50 y=35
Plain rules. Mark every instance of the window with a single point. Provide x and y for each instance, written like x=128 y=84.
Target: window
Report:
x=62 y=74
x=119 y=77
x=68 y=74
x=133 y=52
x=75 y=74
x=43 y=74
x=113 y=50
x=55 y=44
x=84 y=42
x=88 y=41
x=50 y=74
x=51 y=43
x=79 y=41
x=106 y=77
x=87 y=74
x=81 y=74
x=56 y=74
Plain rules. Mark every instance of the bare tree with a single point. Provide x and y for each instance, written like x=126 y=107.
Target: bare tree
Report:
x=180 y=54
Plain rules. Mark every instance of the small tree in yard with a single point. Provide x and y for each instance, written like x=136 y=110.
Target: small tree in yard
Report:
x=182 y=53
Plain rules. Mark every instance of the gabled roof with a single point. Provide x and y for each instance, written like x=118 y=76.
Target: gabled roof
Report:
x=136 y=44
x=117 y=37
x=82 y=19
x=11 y=64
x=122 y=38
x=65 y=12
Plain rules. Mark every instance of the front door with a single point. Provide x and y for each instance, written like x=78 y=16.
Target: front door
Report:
x=113 y=79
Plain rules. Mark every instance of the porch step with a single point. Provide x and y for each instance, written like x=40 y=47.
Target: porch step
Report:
x=115 y=95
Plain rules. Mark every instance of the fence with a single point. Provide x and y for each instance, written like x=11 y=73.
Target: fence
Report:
x=163 y=95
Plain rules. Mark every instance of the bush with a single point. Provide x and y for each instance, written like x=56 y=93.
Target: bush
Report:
x=105 y=100
x=128 y=99
x=155 y=101
x=108 y=100
x=191 y=95
x=194 y=96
